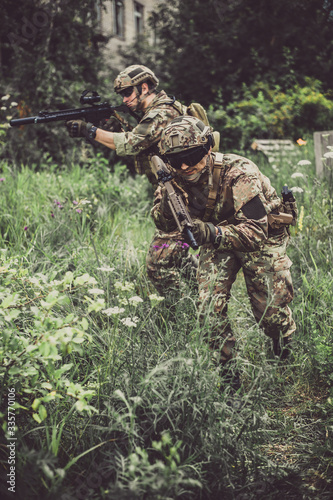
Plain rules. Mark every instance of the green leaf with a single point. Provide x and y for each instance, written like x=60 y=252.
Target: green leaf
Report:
x=36 y=417
x=78 y=340
x=9 y=300
x=62 y=370
x=35 y=404
x=84 y=324
x=42 y=412
x=79 y=405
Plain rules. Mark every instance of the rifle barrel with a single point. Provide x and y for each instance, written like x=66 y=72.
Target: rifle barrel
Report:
x=91 y=113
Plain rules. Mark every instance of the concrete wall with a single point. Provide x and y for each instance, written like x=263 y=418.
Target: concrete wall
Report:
x=129 y=23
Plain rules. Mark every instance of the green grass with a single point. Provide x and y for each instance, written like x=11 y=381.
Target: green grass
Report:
x=130 y=405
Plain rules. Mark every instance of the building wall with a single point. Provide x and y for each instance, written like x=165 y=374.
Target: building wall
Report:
x=122 y=21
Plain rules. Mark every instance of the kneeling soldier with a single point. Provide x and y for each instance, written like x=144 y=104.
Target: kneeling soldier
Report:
x=237 y=218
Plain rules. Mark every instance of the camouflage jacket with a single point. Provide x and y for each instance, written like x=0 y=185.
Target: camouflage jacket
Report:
x=143 y=139
x=244 y=198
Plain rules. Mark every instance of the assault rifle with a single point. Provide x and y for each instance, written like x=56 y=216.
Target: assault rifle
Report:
x=94 y=114
x=175 y=201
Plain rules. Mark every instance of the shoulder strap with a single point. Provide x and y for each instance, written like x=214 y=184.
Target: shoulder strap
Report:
x=213 y=188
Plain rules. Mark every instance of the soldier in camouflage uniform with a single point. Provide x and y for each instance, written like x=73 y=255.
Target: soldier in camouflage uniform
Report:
x=168 y=254
x=231 y=203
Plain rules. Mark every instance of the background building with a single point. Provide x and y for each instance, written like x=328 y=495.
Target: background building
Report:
x=123 y=21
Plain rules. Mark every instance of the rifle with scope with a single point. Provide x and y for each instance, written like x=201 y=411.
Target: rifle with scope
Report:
x=95 y=113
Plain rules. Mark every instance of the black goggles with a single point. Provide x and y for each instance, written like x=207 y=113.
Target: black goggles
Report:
x=126 y=92
x=190 y=158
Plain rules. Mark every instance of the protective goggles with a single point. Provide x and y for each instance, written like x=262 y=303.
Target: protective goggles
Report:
x=190 y=158
x=126 y=92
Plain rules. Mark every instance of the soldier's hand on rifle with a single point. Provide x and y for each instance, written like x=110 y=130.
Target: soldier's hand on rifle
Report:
x=78 y=128
x=111 y=125
x=205 y=232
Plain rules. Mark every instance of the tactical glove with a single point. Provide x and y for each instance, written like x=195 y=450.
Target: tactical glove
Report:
x=78 y=128
x=204 y=232
x=111 y=125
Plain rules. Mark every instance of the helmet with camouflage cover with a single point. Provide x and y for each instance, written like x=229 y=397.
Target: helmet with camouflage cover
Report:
x=134 y=75
x=184 y=133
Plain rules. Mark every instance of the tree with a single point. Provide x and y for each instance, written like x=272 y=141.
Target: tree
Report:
x=205 y=48
x=50 y=54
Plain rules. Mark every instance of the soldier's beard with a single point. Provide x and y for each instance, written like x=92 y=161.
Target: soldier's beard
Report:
x=193 y=178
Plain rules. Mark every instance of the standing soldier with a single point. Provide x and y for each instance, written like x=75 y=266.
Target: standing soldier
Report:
x=237 y=222
x=168 y=254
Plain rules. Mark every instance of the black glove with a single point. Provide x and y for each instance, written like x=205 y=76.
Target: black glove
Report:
x=78 y=128
x=203 y=232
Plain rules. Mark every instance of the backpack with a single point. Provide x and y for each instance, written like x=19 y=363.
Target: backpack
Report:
x=198 y=111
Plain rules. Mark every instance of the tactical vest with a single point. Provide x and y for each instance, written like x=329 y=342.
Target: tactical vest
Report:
x=276 y=219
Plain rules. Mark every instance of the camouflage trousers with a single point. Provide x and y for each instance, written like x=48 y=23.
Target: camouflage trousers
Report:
x=269 y=287
x=169 y=263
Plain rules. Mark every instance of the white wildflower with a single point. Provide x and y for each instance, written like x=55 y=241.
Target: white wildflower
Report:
x=135 y=300
x=113 y=311
x=297 y=189
x=304 y=162
x=13 y=104
x=329 y=154
x=296 y=174
x=124 y=287
x=130 y=322
x=106 y=269
x=5 y=97
x=155 y=299
x=96 y=291
x=123 y=301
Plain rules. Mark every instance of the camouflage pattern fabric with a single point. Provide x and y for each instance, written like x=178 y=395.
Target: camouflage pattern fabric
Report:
x=269 y=286
x=246 y=243
x=140 y=141
x=134 y=75
x=169 y=262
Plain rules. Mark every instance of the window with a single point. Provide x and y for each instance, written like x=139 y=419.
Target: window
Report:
x=138 y=18
x=118 y=18
x=98 y=8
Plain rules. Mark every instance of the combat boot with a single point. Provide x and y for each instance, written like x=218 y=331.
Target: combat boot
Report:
x=282 y=347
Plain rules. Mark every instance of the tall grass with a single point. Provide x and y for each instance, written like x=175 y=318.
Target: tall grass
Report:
x=116 y=393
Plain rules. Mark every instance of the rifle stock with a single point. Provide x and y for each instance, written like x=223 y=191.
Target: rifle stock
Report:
x=175 y=201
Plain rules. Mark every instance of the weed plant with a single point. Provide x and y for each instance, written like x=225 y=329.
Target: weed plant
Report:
x=116 y=395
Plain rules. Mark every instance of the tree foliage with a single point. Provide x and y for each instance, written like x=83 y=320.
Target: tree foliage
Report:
x=50 y=54
x=210 y=47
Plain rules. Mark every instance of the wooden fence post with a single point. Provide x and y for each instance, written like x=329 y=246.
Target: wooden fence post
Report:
x=321 y=142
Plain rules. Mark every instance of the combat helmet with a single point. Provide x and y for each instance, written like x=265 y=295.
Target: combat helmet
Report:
x=185 y=133
x=134 y=75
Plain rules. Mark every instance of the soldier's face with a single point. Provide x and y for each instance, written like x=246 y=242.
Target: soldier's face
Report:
x=130 y=100
x=186 y=171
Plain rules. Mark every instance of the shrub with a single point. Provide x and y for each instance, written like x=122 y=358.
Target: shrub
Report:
x=266 y=112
